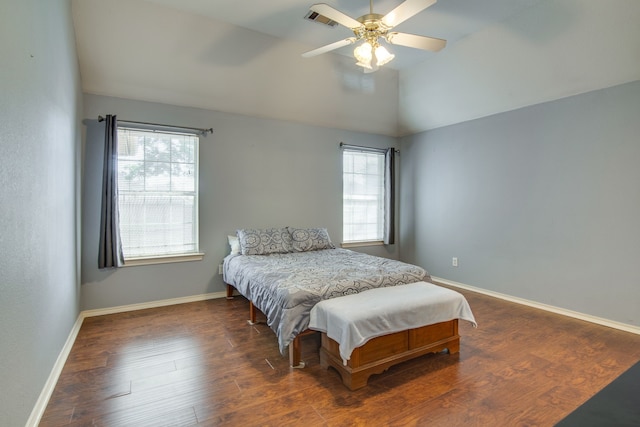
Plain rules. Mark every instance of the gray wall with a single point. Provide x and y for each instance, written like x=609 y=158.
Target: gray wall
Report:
x=540 y=203
x=253 y=173
x=40 y=138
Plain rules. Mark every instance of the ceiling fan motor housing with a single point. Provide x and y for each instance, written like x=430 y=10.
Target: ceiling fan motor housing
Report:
x=372 y=27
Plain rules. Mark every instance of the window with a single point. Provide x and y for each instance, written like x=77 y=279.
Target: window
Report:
x=363 y=195
x=157 y=193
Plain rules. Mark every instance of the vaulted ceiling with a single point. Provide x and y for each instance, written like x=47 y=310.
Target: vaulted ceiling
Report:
x=448 y=19
x=243 y=56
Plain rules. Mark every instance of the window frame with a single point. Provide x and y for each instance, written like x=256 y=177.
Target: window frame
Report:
x=163 y=258
x=381 y=198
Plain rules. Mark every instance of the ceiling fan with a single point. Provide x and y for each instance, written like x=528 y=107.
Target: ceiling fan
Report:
x=371 y=28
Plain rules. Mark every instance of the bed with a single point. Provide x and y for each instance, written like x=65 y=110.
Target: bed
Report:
x=285 y=272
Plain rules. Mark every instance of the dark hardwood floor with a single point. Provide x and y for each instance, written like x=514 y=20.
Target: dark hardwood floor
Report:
x=202 y=364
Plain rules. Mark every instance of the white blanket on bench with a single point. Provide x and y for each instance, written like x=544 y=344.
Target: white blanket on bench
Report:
x=353 y=320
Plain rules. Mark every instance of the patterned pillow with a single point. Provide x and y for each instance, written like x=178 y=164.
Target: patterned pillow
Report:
x=310 y=239
x=263 y=242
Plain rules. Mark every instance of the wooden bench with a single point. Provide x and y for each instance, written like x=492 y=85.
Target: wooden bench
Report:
x=361 y=317
x=381 y=353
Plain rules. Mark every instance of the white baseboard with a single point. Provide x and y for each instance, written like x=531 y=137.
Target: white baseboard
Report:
x=50 y=384
x=45 y=395
x=576 y=315
x=152 y=304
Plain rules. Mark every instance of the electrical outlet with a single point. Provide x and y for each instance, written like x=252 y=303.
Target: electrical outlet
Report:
x=454 y=261
x=220 y=269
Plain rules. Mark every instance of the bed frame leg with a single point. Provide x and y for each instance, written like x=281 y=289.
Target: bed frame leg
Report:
x=229 y=291
x=295 y=353
x=252 y=314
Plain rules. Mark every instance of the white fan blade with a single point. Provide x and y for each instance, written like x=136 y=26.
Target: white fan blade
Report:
x=418 y=42
x=329 y=47
x=405 y=11
x=335 y=15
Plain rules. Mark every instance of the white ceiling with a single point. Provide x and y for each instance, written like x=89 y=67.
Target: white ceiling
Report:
x=243 y=56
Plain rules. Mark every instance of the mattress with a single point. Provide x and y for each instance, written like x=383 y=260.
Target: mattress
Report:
x=286 y=286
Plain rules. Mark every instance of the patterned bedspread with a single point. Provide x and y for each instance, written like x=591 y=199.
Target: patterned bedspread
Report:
x=285 y=287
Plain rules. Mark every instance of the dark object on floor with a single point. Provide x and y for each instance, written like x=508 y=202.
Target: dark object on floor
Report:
x=618 y=404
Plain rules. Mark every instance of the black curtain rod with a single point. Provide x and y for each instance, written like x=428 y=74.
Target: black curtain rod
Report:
x=201 y=130
x=363 y=148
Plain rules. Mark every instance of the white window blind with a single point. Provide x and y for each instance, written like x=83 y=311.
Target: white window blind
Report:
x=363 y=196
x=157 y=192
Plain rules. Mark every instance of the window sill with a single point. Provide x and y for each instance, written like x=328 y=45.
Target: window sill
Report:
x=363 y=243
x=132 y=262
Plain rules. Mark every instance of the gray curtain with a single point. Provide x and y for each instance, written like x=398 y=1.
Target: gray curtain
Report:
x=110 y=253
x=390 y=196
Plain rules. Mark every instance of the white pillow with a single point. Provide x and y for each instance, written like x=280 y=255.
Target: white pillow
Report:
x=235 y=244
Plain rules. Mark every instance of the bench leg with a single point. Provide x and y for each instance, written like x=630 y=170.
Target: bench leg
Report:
x=229 y=291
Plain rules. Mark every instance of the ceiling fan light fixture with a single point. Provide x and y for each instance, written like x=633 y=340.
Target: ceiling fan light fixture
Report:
x=383 y=56
x=365 y=65
x=364 y=55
